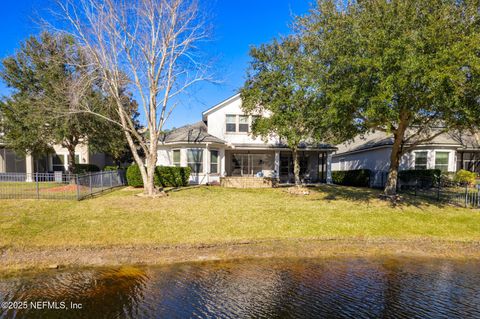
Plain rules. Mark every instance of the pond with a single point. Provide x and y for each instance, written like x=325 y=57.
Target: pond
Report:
x=271 y=288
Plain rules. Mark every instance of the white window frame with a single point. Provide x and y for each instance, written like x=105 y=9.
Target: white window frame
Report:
x=217 y=163
x=196 y=163
x=235 y=123
x=415 y=159
x=448 y=160
x=179 y=157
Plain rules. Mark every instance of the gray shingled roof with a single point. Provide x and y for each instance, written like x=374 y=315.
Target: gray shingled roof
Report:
x=193 y=133
x=378 y=139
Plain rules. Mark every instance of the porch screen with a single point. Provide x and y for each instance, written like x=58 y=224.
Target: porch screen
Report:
x=195 y=160
x=58 y=162
x=441 y=161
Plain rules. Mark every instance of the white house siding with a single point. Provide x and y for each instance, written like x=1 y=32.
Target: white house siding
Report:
x=378 y=160
x=216 y=122
x=165 y=158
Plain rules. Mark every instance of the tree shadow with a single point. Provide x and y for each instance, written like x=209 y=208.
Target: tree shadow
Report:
x=367 y=195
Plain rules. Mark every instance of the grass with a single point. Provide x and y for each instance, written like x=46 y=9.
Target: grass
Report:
x=210 y=215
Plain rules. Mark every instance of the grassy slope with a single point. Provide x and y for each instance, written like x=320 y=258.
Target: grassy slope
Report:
x=214 y=215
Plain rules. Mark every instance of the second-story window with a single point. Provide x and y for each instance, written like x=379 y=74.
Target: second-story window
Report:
x=243 y=124
x=231 y=121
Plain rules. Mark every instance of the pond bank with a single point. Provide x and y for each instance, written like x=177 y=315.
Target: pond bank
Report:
x=15 y=259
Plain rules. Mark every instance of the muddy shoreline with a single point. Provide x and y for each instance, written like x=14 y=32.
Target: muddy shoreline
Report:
x=16 y=259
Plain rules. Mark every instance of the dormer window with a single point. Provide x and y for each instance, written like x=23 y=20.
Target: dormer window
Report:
x=243 y=124
x=231 y=123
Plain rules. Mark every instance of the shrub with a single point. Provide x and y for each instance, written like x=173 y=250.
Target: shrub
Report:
x=134 y=177
x=111 y=168
x=357 y=177
x=465 y=177
x=85 y=168
x=411 y=175
x=172 y=176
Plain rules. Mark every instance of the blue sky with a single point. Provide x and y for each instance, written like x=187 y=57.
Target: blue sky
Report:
x=237 y=26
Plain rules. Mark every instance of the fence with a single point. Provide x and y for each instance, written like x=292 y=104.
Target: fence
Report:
x=442 y=190
x=58 y=185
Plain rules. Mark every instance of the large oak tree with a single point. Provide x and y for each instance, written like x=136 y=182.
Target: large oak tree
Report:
x=410 y=68
x=49 y=77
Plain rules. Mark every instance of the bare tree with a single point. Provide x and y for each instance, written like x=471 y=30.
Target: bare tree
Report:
x=151 y=46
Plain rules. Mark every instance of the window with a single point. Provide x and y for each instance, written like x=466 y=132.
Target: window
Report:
x=243 y=124
x=231 y=121
x=77 y=159
x=176 y=158
x=195 y=160
x=214 y=162
x=58 y=162
x=420 y=160
x=441 y=161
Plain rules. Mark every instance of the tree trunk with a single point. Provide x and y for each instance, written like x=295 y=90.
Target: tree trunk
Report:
x=149 y=184
x=71 y=157
x=397 y=152
x=296 y=167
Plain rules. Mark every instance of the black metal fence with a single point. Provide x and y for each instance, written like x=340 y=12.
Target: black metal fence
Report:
x=58 y=185
x=442 y=190
x=439 y=189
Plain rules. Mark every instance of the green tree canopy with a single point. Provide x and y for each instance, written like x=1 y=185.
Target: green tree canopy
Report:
x=50 y=78
x=278 y=85
x=409 y=68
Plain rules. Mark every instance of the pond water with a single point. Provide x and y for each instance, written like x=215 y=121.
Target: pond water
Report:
x=292 y=288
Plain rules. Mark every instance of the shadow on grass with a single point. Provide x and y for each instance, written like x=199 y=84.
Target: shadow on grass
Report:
x=367 y=195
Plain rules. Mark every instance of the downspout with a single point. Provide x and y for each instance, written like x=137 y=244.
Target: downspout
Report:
x=207 y=144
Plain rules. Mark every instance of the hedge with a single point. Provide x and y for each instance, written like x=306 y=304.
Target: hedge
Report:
x=111 y=168
x=173 y=176
x=412 y=175
x=357 y=177
x=85 y=168
x=165 y=176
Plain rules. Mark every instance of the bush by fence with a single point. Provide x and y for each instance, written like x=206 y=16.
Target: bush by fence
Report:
x=111 y=168
x=464 y=177
x=165 y=176
x=411 y=175
x=357 y=177
x=85 y=168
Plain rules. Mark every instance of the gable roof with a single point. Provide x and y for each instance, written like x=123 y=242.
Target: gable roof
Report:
x=379 y=139
x=220 y=105
x=193 y=133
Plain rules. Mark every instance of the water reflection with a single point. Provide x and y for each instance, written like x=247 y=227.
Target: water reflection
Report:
x=313 y=288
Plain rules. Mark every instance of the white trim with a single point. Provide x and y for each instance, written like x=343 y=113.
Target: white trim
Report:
x=220 y=105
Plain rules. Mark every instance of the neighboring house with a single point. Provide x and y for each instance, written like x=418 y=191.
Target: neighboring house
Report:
x=10 y=162
x=448 y=152
x=221 y=145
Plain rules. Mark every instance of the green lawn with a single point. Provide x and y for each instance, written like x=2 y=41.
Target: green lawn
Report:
x=216 y=215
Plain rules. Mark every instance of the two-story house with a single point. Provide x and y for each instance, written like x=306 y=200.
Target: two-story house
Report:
x=221 y=145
